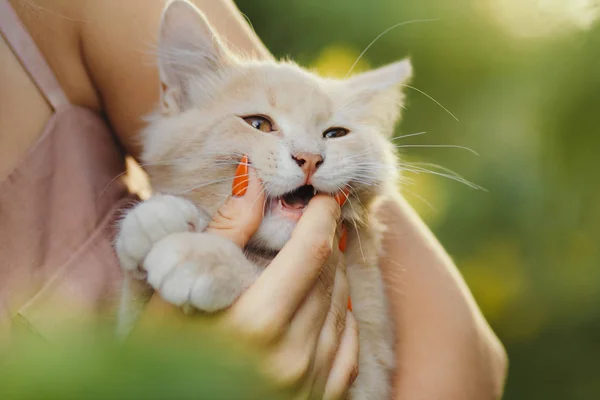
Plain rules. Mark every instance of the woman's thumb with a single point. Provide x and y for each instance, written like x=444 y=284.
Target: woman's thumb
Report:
x=241 y=214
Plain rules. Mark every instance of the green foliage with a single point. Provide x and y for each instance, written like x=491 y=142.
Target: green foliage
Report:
x=523 y=77
x=169 y=366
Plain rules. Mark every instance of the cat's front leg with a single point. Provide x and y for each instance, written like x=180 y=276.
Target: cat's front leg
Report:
x=209 y=270
x=149 y=222
x=141 y=228
x=199 y=271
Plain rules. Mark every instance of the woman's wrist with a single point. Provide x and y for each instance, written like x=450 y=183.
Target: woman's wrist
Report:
x=443 y=337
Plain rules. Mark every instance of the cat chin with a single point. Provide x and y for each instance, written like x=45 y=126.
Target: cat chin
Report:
x=273 y=233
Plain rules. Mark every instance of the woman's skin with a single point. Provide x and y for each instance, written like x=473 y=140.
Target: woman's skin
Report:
x=100 y=51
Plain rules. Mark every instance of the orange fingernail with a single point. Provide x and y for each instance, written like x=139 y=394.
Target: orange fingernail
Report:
x=342 y=196
x=240 y=180
x=349 y=303
x=343 y=239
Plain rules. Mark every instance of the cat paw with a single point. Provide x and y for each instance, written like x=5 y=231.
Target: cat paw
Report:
x=148 y=223
x=199 y=270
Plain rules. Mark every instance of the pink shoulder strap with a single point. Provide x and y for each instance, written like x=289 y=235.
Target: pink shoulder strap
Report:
x=30 y=56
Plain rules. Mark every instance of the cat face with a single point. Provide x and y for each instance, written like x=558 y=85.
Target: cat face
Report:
x=302 y=133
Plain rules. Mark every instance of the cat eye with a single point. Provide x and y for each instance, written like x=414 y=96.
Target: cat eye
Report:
x=259 y=122
x=332 y=133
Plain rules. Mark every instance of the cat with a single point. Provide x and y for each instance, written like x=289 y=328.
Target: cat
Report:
x=216 y=107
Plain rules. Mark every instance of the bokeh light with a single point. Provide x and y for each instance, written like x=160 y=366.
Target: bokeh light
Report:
x=533 y=18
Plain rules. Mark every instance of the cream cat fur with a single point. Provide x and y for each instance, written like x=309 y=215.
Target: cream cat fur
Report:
x=193 y=143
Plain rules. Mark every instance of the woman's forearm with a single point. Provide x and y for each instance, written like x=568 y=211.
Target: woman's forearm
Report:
x=445 y=349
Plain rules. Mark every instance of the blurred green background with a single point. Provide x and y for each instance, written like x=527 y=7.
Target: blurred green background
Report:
x=523 y=78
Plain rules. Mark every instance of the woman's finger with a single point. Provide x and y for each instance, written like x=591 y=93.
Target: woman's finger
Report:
x=325 y=336
x=285 y=283
x=345 y=366
x=241 y=214
x=309 y=319
x=307 y=348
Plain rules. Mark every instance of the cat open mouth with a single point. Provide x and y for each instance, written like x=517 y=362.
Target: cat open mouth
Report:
x=291 y=205
x=299 y=198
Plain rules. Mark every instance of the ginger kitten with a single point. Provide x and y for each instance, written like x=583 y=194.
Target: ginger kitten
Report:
x=303 y=134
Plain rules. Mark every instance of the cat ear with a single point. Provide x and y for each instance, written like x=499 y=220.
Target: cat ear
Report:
x=378 y=93
x=390 y=76
x=187 y=47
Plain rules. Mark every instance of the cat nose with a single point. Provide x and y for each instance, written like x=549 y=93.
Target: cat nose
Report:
x=309 y=162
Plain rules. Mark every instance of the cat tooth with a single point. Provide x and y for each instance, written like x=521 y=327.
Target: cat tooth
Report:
x=314 y=191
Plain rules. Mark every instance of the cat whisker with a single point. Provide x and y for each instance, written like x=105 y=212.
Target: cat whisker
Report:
x=399 y=24
x=363 y=181
x=407 y=135
x=432 y=99
x=264 y=208
x=375 y=168
x=193 y=158
x=264 y=189
x=404 y=180
x=422 y=164
x=215 y=181
x=110 y=183
x=405 y=85
x=362 y=253
x=361 y=204
x=447 y=146
x=358 y=154
x=420 y=198
x=457 y=178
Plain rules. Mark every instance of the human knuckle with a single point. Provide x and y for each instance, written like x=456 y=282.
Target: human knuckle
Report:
x=325 y=285
x=321 y=246
x=327 y=278
x=222 y=221
x=329 y=205
x=342 y=281
x=295 y=372
x=336 y=211
x=352 y=373
x=339 y=388
x=328 y=345
x=264 y=329
x=337 y=316
x=346 y=379
x=223 y=216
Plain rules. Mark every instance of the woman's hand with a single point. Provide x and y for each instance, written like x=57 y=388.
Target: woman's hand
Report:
x=296 y=312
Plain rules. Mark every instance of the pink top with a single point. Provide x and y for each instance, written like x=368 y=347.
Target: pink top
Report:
x=57 y=210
